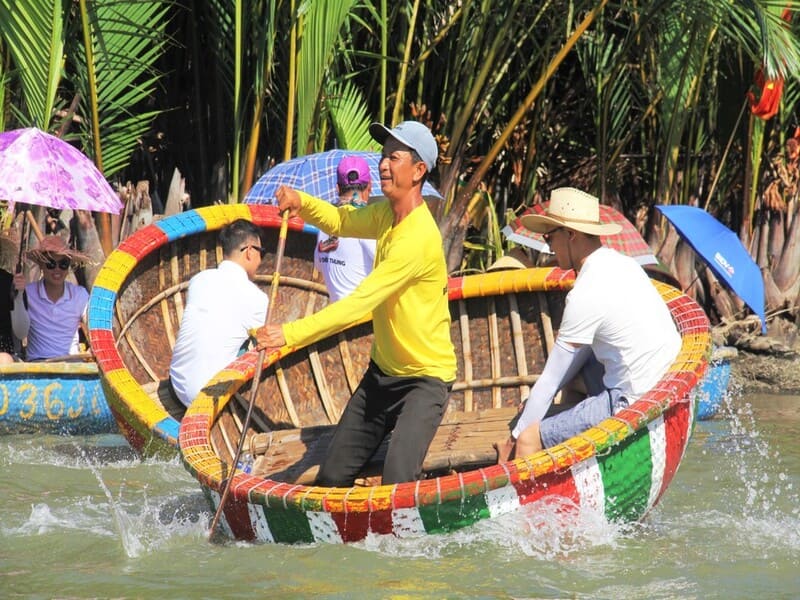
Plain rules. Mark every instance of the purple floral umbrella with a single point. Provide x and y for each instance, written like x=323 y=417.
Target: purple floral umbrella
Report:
x=38 y=168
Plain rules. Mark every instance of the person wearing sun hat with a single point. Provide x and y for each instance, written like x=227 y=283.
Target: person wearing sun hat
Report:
x=404 y=390
x=344 y=262
x=49 y=311
x=616 y=329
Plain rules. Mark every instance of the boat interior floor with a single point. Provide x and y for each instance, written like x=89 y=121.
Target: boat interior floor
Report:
x=464 y=441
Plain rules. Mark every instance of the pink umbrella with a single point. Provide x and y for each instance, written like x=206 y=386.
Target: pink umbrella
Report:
x=38 y=168
x=628 y=241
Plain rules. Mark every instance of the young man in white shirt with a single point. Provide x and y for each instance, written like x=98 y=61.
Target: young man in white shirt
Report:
x=222 y=305
x=614 y=318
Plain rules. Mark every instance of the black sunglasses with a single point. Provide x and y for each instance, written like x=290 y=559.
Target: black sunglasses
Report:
x=62 y=264
x=548 y=235
x=261 y=251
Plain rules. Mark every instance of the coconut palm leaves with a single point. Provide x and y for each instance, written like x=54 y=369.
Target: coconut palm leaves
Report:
x=34 y=35
x=122 y=42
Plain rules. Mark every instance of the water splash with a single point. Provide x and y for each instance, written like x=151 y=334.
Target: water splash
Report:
x=130 y=542
x=552 y=528
x=151 y=502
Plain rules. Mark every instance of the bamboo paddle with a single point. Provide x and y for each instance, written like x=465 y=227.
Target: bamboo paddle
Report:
x=257 y=375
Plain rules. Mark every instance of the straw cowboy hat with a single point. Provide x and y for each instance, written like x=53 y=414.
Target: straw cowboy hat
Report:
x=54 y=245
x=506 y=263
x=572 y=209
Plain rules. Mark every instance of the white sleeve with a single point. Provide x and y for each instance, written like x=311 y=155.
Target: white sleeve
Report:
x=20 y=321
x=563 y=364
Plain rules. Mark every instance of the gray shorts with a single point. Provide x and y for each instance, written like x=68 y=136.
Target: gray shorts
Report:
x=588 y=413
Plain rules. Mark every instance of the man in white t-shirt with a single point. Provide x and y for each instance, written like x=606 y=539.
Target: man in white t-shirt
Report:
x=222 y=305
x=613 y=318
x=344 y=262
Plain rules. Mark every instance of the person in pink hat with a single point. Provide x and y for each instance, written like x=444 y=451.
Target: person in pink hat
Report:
x=616 y=329
x=49 y=312
x=344 y=262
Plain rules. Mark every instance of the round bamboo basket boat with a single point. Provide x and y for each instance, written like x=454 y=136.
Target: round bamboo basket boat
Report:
x=138 y=298
x=59 y=397
x=503 y=324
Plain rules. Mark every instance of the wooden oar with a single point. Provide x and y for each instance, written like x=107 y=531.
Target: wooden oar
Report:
x=257 y=374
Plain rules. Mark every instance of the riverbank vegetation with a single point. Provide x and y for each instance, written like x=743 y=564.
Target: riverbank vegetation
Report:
x=641 y=103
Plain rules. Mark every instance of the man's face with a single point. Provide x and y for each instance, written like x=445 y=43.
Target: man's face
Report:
x=558 y=239
x=55 y=268
x=399 y=173
x=252 y=256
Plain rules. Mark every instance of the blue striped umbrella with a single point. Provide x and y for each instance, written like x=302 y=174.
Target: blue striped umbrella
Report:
x=315 y=174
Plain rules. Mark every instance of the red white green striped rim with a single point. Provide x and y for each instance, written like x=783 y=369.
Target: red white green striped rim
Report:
x=619 y=468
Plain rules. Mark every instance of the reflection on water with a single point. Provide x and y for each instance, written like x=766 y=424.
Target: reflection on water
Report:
x=84 y=517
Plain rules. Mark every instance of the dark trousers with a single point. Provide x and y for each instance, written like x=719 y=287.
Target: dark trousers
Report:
x=410 y=408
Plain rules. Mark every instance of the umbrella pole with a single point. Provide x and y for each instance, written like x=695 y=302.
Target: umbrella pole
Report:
x=257 y=374
x=23 y=237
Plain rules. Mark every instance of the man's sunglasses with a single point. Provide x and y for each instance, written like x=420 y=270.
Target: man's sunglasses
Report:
x=549 y=235
x=261 y=251
x=62 y=264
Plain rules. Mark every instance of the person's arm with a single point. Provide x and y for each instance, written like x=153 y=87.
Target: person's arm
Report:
x=393 y=274
x=563 y=364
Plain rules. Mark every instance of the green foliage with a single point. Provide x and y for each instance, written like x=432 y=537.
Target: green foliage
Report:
x=127 y=38
x=350 y=118
x=320 y=26
x=33 y=32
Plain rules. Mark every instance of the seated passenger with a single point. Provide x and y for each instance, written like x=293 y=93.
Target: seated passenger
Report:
x=50 y=311
x=222 y=305
x=614 y=318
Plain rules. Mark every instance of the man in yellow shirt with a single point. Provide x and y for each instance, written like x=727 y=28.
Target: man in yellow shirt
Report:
x=404 y=391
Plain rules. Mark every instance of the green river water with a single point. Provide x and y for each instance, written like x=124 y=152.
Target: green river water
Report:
x=84 y=518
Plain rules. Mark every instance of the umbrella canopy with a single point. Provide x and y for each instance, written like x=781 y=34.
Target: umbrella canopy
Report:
x=628 y=241
x=723 y=252
x=38 y=168
x=315 y=174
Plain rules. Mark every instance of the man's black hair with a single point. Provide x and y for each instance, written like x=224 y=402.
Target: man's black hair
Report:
x=238 y=234
x=415 y=158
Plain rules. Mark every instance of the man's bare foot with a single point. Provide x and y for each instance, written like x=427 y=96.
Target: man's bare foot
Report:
x=505 y=449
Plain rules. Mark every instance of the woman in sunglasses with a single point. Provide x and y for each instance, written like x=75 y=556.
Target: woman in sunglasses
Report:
x=49 y=311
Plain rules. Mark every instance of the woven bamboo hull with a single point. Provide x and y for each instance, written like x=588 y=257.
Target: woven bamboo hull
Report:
x=138 y=298
x=56 y=397
x=619 y=468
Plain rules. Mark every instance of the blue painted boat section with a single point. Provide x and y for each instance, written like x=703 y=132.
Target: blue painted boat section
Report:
x=711 y=391
x=168 y=429
x=182 y=225
x=70 y=404
x=101 y=308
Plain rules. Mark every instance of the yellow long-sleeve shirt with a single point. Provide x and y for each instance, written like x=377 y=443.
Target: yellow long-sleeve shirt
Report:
x=406 y=292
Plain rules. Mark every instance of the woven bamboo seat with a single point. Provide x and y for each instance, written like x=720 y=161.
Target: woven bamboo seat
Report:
x=464 y=440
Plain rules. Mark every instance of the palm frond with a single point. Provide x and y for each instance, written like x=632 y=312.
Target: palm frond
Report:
x=127 y=39
x=350 y=117
x=34 y=33
x=321 y=25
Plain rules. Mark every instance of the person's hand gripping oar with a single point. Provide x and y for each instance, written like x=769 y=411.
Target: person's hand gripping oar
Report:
x=285 y=213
